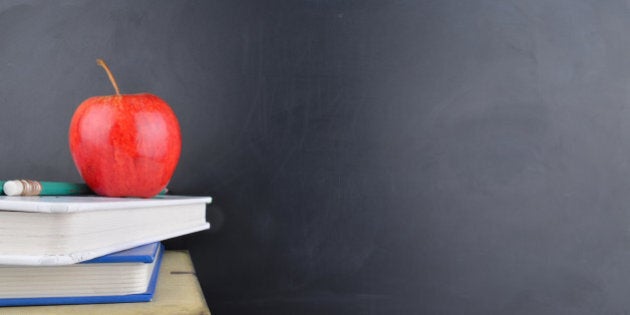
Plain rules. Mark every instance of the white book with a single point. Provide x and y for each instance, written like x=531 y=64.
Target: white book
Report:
x=61 y=230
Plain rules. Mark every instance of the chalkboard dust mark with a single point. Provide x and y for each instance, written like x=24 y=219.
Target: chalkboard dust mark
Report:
x=183 y=273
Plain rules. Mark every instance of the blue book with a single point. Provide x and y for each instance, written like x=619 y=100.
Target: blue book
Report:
x=122 y=277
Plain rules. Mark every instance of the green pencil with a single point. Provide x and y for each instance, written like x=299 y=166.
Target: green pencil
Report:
x=24 y=187
x=27 y=187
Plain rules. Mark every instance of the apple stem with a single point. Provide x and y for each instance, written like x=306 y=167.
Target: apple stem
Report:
x=102 y=63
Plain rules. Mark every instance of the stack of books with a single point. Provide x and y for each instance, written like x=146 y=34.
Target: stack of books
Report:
x=88 y=249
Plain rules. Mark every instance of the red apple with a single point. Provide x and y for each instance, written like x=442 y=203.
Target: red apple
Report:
x=125 y=145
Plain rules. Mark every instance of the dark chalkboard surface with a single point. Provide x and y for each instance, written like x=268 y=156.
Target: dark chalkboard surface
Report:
x=365 y=157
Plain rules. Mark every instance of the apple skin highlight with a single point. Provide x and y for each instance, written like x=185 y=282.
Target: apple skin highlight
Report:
x=125 y=145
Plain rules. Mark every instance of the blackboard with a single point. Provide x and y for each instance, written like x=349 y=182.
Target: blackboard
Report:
x=365 y=157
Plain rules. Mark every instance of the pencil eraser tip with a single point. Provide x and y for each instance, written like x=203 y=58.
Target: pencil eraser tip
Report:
x=13 y=188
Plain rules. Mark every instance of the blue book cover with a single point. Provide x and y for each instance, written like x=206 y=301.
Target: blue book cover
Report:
x=59 y=279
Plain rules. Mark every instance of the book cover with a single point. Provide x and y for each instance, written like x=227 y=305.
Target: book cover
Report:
x=60 y=230
x=61 y=204
x=80 y=289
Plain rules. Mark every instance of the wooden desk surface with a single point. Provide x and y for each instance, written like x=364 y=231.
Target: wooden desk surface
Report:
x=178 y=292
